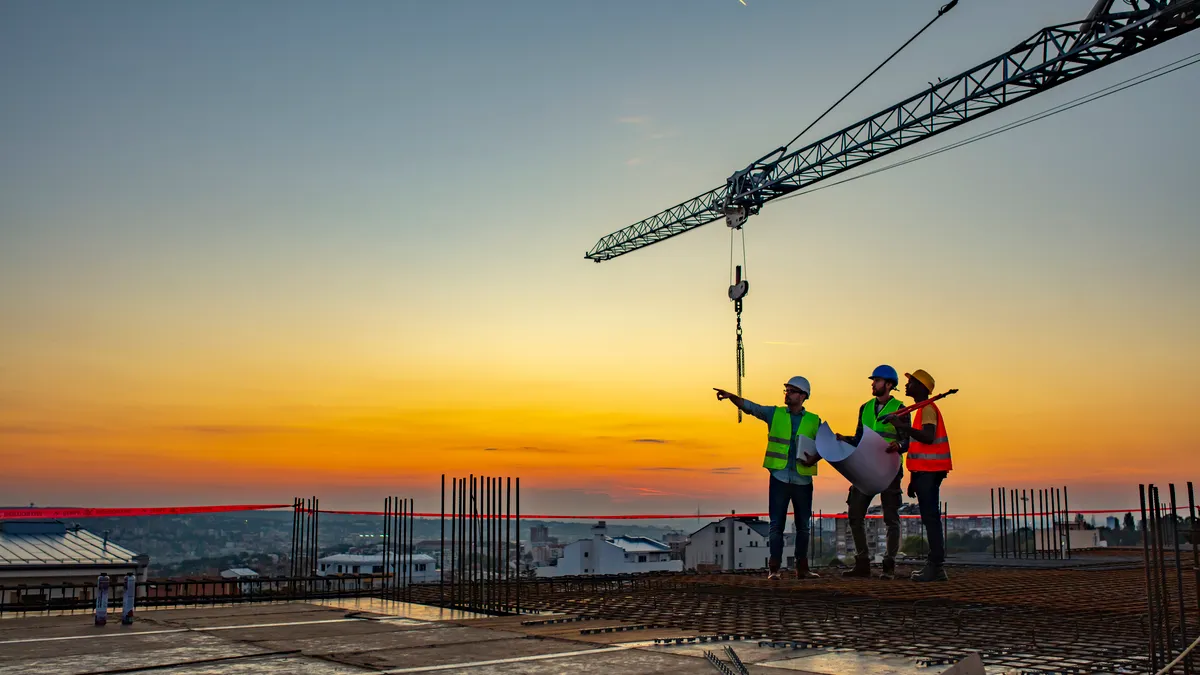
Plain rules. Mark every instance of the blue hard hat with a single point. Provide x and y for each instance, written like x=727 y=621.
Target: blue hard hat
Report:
x=886 y=372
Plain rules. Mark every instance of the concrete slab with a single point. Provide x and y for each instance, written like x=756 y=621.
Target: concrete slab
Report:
x=599 y=661
x=275 y=666
x=440 y=654
x=144 y=652
x=342 y=642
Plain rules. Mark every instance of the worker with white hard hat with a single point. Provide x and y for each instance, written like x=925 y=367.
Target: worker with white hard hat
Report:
x=791 y=460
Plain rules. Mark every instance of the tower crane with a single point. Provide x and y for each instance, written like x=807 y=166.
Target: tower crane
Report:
x=1050 y=57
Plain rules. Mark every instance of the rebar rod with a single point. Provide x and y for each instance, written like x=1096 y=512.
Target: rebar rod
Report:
x=1152 y=620
x=1183 y=632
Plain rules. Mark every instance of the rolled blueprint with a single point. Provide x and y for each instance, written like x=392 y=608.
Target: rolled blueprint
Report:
x=869 y=467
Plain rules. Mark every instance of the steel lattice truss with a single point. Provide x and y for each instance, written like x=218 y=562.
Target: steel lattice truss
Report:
x=1052 y=56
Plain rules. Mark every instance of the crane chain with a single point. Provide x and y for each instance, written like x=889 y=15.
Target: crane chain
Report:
x=741 y=354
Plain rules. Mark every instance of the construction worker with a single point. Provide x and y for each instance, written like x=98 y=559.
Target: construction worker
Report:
x=883 y=381
x=928 y=462
x=791 y=459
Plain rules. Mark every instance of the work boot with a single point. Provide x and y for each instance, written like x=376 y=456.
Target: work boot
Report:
x=862 y=568
x=802 y=571
x=889 y=569
x=773 y=568
x=931 y=573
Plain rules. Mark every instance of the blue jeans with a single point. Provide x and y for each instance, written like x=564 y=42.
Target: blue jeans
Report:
x=927 y=485
x=800 y=497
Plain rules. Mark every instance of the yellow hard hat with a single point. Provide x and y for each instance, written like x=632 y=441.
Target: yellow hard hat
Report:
x=922 y=377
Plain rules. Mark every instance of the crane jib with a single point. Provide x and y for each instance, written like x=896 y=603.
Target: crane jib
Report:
x=1052 y=56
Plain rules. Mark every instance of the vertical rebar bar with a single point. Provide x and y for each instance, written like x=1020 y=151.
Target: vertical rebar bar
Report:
x=1055 y=507
x=507 y=542
x=316 y=535
x=462 y=546
x=518 y=527
x=453 y=518
x=497 y=541
x=1183 y=633
x=292 y=555
x=1043 y=502
x=474 y=602
x=1067 y=514
x=1003 y=529
x=441 y=563
x=387 y=509
x=1195 y=542
x=1161 y=551
x=992 y=520
x=412 y=541
x=1152 y=620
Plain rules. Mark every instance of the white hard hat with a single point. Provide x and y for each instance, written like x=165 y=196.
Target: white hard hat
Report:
x=800 y=383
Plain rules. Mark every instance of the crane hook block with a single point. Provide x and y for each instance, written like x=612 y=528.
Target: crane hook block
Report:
x=740 y=287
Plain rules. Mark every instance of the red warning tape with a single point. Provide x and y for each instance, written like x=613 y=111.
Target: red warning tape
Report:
x=53 y=513
x=27 y=514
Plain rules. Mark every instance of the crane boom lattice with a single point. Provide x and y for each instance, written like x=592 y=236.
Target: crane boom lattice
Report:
x=1053 y=56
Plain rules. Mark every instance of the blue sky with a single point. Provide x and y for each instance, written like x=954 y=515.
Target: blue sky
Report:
x=300 y=197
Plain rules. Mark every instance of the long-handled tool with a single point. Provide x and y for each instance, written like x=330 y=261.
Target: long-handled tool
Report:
x=891 y=417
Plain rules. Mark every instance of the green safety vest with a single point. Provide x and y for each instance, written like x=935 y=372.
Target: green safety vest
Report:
x=871 y=421
x=779 y=440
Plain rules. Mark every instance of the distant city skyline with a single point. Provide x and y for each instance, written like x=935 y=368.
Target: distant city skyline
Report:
x=254 y=252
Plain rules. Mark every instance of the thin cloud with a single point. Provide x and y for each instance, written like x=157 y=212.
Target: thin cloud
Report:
x=726 y=469
x=633 y=119
x=649 y=440
x=634 y=161
x=786 y=344
x=235 y=429
x=663 y=468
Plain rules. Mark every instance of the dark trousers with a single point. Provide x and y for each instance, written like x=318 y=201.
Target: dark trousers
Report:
x=927 y=485
x=800 y=497
x=857 y=503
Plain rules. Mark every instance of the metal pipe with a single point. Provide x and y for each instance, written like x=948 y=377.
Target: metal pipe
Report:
x=1183 y=633
x=453 y=517
x=1003 y=529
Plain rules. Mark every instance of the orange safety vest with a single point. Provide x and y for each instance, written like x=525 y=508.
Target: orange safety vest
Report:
x=934 y=456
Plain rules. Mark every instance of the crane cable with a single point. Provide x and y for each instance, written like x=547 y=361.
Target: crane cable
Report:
x=945 y=8
x=1049 y=112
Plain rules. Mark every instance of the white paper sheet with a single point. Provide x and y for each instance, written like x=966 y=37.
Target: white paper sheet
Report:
x=869 y=467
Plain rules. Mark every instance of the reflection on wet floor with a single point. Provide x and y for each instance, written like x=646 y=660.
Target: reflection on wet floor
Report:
x=408 y=610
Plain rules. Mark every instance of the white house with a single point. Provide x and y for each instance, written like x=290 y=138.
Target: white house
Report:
x=728 y=544
x=612 y=555
x=420 y=568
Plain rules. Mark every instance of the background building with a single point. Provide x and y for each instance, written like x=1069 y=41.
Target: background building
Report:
x=35 y=554
x=730 y=543
x=612 y=555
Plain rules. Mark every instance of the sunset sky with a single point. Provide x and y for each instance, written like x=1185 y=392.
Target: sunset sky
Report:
x=251 y=251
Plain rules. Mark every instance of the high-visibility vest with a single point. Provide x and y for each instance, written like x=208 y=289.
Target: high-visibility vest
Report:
x=870 y=419
x=779 y=440
x=933 y=456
